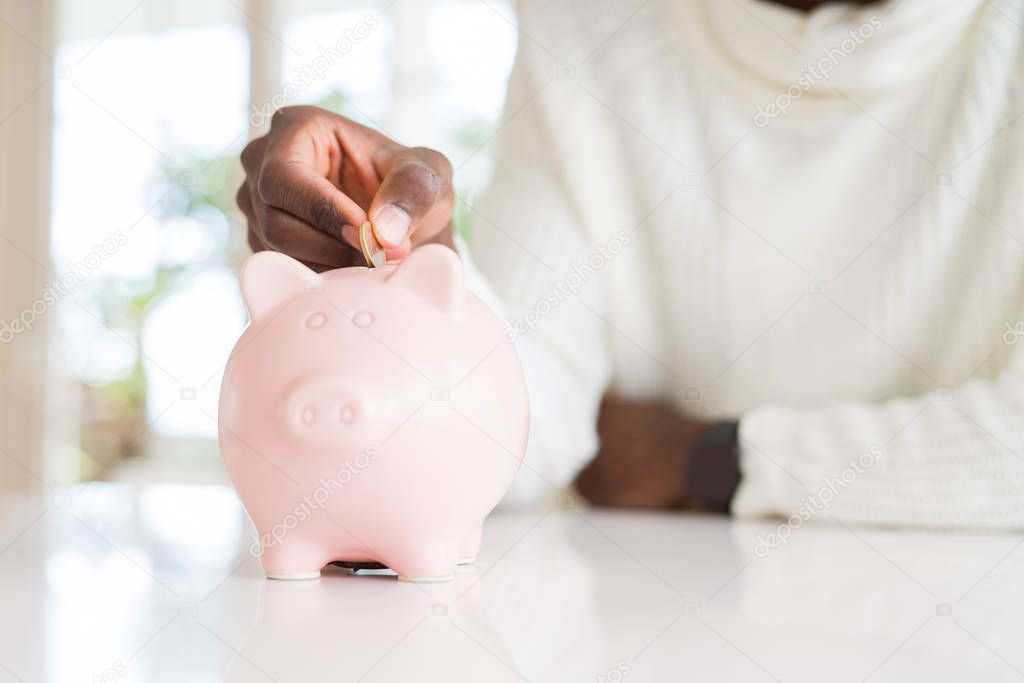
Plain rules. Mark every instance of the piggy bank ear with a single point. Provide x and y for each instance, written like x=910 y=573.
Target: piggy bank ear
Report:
x=433 y=272
x=269 y=279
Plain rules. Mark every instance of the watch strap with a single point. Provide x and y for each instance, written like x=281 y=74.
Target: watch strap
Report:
x=713 y=467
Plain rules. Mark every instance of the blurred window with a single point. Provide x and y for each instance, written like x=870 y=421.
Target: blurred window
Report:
x=152 y=106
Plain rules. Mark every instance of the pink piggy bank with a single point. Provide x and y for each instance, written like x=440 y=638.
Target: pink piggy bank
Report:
x=370 y=415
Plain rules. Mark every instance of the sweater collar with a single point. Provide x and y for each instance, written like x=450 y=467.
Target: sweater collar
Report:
x=866 y=49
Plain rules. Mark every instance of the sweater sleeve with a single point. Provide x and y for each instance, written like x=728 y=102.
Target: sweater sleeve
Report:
x=951 y=458
x=525 y=246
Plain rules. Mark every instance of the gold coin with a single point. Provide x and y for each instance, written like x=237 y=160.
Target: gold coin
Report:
x=372 y=251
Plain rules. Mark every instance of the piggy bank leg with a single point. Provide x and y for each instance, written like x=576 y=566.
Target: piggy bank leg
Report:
x=293 y=559
x=424 y=561
x=470 y=546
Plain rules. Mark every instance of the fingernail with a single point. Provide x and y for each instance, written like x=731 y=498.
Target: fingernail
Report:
x=391 y=225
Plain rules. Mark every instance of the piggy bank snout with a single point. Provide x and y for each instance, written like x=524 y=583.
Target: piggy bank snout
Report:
x=322 y=410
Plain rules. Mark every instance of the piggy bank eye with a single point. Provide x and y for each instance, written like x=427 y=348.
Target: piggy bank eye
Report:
x=346 y=414
x=316 y=321
x=362 y=319
x=308 y=415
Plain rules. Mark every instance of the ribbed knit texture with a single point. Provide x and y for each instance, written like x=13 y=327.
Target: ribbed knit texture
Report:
x=840 y=279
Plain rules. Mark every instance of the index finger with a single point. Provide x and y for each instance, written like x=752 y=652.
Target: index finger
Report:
x=292 y=184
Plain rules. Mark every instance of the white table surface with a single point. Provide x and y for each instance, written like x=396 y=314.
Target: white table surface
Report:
x=112 y=583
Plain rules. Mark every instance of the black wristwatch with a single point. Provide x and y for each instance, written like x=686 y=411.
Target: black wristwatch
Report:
x=713 y=467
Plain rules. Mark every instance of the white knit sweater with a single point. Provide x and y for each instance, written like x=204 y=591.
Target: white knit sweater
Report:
x=687 y=208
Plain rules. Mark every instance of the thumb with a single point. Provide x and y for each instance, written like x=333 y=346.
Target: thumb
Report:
x=414 y=197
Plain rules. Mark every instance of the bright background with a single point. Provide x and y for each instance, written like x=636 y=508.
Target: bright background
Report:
x=152 y=104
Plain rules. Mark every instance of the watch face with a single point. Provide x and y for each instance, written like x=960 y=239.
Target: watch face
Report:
x=714 y=470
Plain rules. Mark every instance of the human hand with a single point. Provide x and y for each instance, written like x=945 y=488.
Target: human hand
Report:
x=316 y=176
x=643 y=456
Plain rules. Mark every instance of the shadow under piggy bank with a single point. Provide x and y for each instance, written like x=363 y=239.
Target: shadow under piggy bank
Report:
x=370 y=415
